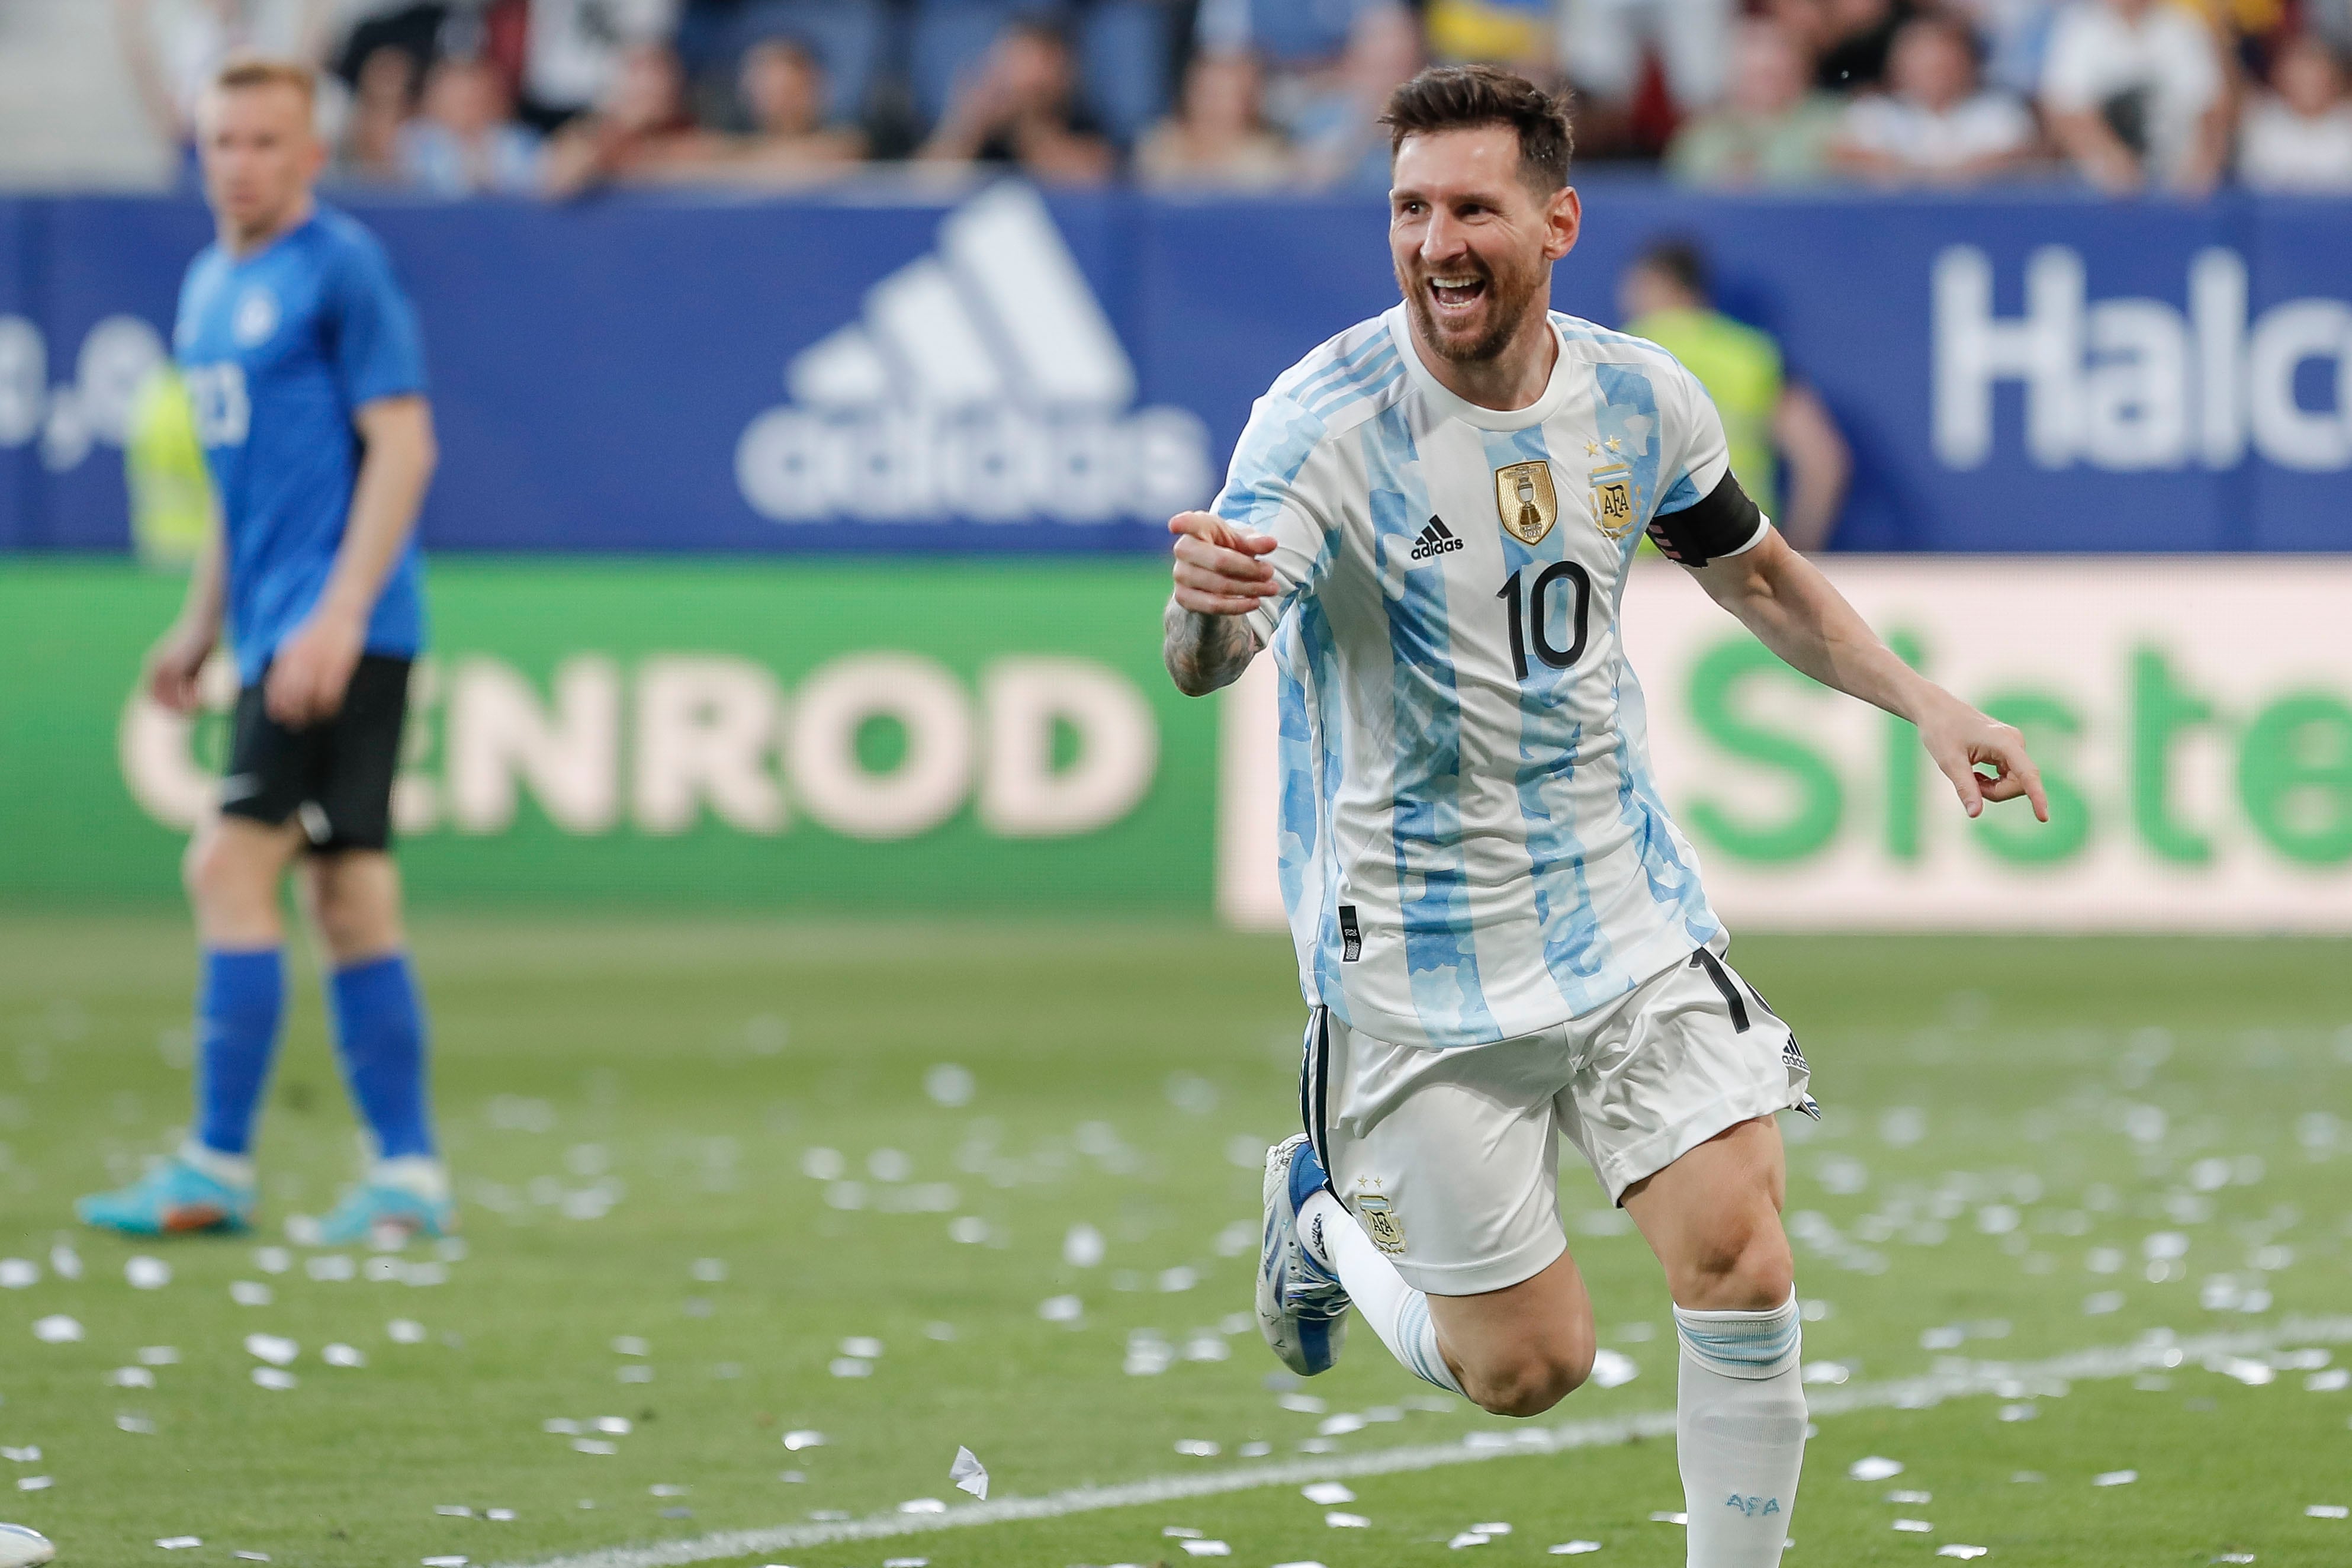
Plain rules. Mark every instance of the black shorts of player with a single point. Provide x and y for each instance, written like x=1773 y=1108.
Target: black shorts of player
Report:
x=335 y=776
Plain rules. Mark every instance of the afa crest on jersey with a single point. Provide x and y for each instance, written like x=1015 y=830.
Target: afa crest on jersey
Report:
x=1525 y=499
x=1613 y=511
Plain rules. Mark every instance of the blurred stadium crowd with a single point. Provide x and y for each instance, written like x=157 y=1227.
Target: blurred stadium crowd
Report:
x=457 y=97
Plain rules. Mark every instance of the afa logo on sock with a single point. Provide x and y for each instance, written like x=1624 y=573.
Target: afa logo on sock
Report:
x=1753 y=1507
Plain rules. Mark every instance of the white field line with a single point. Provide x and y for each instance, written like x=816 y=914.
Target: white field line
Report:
x=1950 y=1382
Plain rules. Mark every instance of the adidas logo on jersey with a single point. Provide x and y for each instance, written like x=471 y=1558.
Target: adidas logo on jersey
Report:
x=984 y=381
x=1435 y=540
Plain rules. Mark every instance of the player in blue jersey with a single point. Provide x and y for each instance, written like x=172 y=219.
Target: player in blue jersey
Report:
x=302 y=360
x=1505 y=942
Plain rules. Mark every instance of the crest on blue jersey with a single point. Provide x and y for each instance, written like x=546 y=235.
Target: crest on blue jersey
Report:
x=256 y=317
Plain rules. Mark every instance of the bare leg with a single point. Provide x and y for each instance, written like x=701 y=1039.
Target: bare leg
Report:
x=1714 y=1219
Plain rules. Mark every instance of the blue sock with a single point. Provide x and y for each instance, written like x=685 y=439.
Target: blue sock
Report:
x=237 y=1013
x=380 y=1035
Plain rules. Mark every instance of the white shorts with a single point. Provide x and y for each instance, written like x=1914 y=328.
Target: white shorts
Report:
x=1450 y=1159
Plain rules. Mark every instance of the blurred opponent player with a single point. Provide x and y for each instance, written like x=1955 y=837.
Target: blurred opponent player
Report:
x=303 y=363
x=1502 y=936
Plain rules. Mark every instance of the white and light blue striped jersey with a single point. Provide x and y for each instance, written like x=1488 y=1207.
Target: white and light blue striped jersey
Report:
x=1472 y=846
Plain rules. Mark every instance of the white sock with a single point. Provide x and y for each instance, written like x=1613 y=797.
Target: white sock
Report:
x=1740 y=1433
x=1397 y=1313
x=420 y=1175
x=229 y=1170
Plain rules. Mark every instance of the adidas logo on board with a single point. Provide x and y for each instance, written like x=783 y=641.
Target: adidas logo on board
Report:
x=983 y=382
x=1435 y=540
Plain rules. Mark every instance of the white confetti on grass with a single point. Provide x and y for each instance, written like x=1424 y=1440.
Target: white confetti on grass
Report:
x=1614 y=1369
x=1327 y=1494
x=405 y=1332
x=145 y=1273
x=1337 y=1520
x=1875 y=1468
x=1955 y=1550
x=18 y=1274
x=796 y=1441
x=179 y=1542
x=35 y=1483
x=2327 y=1510
x=1960 y=1379
x=1573 y=1548
x=1914 y=1526
x=56 y=1328
x=275 y=1349
x=274 y=1379
x=343 y=1355
x=1670 y=1519
x=1207 y=1549
x=158 y=1355
x=250 y=1293
x=2115 y=1478
x=968 y=1474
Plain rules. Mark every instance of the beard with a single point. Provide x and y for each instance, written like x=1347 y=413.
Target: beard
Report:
x=1508 y=294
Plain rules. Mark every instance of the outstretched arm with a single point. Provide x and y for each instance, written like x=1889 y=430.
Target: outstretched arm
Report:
x=1220 y=578
x=1793 y=609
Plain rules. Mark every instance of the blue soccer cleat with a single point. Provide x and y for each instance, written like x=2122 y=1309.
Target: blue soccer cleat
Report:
x=175 y=1198
x=378 y=1212
x=1302 y=1309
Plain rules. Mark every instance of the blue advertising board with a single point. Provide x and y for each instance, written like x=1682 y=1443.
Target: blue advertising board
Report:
x=990 y=369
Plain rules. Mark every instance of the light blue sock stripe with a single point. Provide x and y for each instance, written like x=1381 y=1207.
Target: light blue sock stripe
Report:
x=1417 y=1337
x=1743 y=1344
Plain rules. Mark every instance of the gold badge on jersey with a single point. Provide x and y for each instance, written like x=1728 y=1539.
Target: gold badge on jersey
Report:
x=1381 y=1222
x=1525 y=499
x=1613 y=511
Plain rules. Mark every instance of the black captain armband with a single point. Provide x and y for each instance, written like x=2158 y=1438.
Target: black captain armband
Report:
x=1722 y=524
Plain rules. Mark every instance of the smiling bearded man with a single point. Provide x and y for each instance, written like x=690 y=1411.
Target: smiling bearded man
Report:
x=1501 y=935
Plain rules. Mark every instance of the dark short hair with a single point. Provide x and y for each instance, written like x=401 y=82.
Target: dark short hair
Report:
x=1468 y=97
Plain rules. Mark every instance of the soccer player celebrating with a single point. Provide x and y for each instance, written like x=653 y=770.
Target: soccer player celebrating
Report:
x=1501 y=935
x=302 y=360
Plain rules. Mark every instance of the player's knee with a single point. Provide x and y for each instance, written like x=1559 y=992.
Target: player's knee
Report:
x=1533 y=1378
x=1741 y=1267
x=218 y=879
x=356 y=908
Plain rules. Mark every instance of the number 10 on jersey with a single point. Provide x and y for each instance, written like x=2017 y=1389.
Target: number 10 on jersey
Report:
x=1528 y=611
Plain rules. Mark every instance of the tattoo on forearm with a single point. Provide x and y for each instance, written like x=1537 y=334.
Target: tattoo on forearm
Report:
x=1206 y=652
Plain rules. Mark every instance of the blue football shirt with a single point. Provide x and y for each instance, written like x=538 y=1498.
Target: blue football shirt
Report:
x=280 y=349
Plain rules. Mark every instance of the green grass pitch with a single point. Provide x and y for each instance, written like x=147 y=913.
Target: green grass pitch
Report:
x=697 y=1157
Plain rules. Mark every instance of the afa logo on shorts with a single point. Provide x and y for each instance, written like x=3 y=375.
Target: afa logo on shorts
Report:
x=1379 y=1222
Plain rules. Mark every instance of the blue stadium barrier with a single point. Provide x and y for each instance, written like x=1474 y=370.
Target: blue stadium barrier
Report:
x=991 y=371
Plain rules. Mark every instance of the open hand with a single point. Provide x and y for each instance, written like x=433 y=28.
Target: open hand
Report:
x=1219 y=569
x=311 y=669
x=1960 y=739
